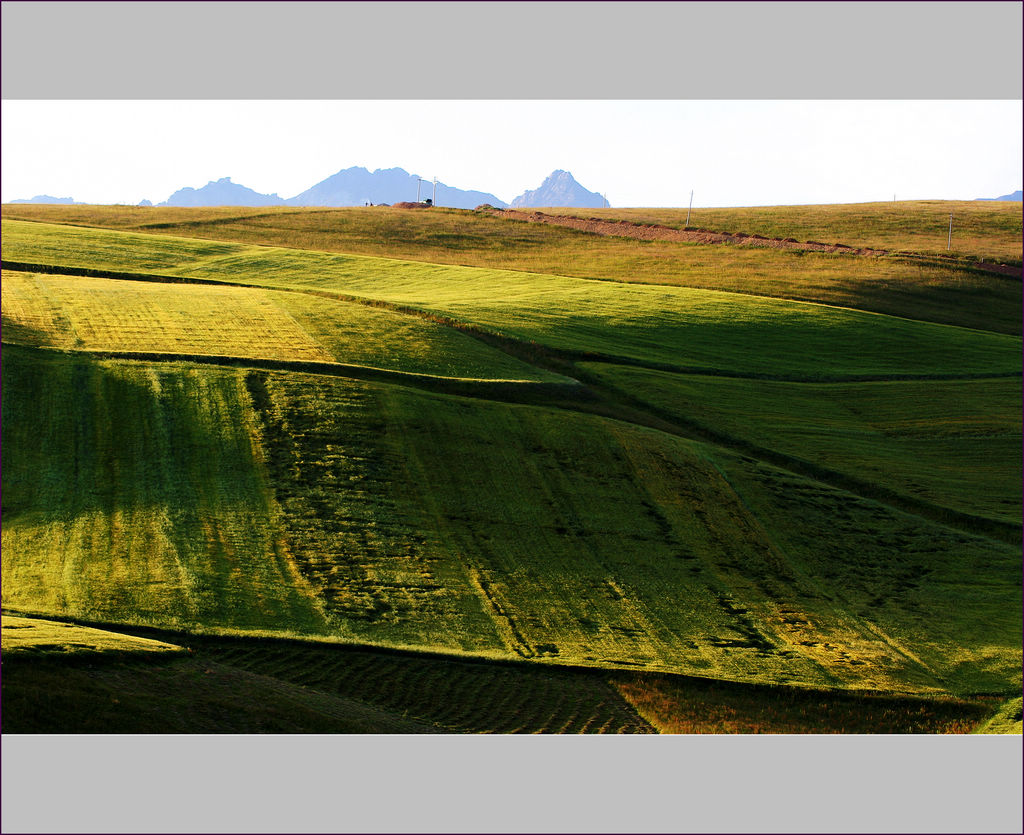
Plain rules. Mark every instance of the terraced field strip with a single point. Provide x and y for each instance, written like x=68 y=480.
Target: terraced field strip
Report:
x=149 y=315
x=529 y=351
x=66 y=678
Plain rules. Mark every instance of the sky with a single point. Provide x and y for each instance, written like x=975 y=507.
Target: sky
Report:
x=637 y=153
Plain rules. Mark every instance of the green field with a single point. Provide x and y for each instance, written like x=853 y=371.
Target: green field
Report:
x=31 y=637
x=747 y=489
x=95 y=314
x=952 y=443
x=932 y=289
x=677 y=326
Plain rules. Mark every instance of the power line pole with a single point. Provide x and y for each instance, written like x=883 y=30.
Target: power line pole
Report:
x=690 y=207
x=433 y=196
x=949 y=240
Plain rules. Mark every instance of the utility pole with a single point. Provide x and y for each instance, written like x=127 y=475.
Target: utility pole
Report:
x=949 y=240
x=690 y=207
x=418 y=181
x=433 y=196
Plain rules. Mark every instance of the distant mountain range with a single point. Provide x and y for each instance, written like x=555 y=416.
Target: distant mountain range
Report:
x=223 y=192
x=560 y=189
x=1017 y=195
x=357 y=186
x=45 y=198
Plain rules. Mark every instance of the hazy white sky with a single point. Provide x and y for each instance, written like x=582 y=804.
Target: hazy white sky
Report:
x=639 y=153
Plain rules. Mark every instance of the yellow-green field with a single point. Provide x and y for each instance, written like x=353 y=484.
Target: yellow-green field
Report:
x=678 y=326
x=921 y=288
x=95 y=314
x=741 y=488
x=23 y=636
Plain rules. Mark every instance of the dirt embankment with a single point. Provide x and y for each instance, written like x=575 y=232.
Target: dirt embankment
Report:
x=655 y=232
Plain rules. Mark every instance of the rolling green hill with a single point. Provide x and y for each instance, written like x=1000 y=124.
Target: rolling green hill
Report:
x=935 y=289
x=230 y=439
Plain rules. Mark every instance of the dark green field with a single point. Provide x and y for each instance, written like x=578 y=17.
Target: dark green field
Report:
x=453 y=493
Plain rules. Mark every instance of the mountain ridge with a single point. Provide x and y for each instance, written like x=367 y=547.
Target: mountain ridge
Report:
x=1016 y=195
x=560 y=189
x=221 y=192
x=357 y=186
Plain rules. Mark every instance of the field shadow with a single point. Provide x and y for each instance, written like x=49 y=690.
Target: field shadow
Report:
x=89 y=436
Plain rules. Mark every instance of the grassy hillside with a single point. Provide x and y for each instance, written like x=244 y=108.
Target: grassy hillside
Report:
x=296 y=504
x=95 y=314
x=683 y=327
x=658 y=519
x=981 y=229
x=954 y=443
x=931 y=290
x=23 y=637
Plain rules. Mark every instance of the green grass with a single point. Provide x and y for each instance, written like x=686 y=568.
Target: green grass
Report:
x=914 y=289
x=97 y=314
x=1006 y=720
x=33 y=637
x=239 y=500
x=685 y=327
x=955 y=444
x=136 y=494
x=272 y=503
